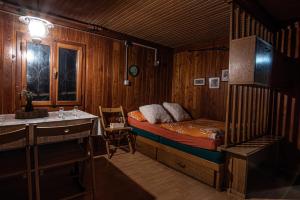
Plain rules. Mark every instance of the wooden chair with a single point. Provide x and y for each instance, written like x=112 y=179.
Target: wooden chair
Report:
x=115 y=134
x=13 y=162
x=64 y=145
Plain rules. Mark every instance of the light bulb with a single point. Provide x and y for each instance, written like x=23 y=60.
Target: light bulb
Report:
x=37 y=29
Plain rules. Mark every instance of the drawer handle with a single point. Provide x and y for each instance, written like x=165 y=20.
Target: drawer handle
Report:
x=181 y=165
x=66 y=130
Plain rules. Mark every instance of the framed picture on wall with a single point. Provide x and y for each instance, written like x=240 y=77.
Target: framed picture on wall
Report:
x=214 y=82
x=199 y=81
x=225 y=75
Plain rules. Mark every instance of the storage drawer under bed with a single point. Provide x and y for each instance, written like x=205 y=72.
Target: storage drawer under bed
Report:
x=188 y=167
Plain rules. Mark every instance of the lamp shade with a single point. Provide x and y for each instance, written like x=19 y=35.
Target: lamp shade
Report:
x=38 y=28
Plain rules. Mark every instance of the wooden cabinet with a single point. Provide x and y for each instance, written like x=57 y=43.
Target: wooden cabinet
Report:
x=250 y=61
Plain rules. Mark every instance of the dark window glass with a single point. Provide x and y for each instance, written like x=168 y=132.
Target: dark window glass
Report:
x=38 y=71
x=67 y=74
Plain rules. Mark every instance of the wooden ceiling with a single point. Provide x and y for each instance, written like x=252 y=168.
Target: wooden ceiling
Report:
x=172 y=23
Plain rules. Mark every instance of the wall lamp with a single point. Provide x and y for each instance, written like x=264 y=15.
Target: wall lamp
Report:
x=38 y=28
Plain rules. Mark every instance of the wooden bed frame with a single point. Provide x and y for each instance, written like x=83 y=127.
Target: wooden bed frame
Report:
x=201 y=169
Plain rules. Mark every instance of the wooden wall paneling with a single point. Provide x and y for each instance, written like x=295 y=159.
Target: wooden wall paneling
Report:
x=104 y=69
x=189 y=64
x=8 y=78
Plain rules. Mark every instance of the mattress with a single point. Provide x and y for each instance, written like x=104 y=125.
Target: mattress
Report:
x=211 y=155
x=199 y=142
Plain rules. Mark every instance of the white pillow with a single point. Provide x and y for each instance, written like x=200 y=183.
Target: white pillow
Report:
x=155 y=113
x=177 y=112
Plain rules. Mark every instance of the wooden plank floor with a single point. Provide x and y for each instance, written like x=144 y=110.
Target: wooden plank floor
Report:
x=161 y=181
x=137 y=177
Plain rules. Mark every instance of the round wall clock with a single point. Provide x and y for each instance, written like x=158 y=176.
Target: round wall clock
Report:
x=134 y=70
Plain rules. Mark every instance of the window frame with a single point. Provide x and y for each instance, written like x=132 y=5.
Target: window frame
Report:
x=22 y=40
x=79 y=72
x=24 y=72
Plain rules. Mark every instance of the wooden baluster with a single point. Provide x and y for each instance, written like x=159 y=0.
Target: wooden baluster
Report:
x=258 y=28
x=273 y=112
x=260 y=111
x=233 y=120
x=240 y=102
x=284 y=114
x=277 y=40
x=297 y=40
x=282 y=40
x=250 y=109
x=262 y=106
x=253 y=27
x=292 y=120
x=272 y=38
x=266 y=106
x=248 y=32
x=237 y=23
x=257 y=111
x=228 y=115
x=243 y=23
x=232 y=22
x=254 y=112
x=278 y=113
x=289 y=42
x=245 y=112
x=265 y=34
x=268 y=36
x=261 y=29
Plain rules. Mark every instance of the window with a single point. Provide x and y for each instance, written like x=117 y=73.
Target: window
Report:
x=69 y=73
x=52 y=71
x=38 y=71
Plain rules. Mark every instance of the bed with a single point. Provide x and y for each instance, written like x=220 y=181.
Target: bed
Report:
x=181 y=146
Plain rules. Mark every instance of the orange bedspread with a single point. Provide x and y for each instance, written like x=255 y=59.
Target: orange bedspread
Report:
x=204 y=128
x=188 y=139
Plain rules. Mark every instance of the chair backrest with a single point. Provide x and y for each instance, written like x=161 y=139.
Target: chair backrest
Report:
x=46 y=135
x=14 y=139
x=118 y=110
